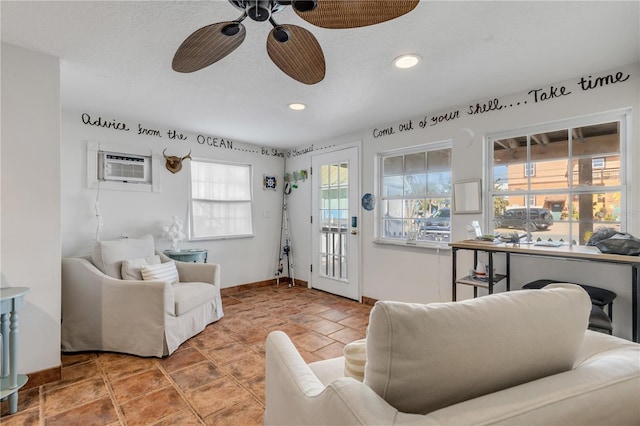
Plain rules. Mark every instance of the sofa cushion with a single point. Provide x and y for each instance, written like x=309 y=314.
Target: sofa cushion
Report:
x=355 y=356
x=107 y=256
x=187 y=296
x=164 y=272
x=131 y=268
x=424 y=357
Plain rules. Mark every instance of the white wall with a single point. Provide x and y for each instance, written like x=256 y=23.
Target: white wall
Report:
x=30 y=194
x=424 y=275
x=134 y=214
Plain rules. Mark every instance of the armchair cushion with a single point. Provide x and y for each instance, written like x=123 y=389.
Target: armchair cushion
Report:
x=107 y=256
x=162 y=272
x=421 y=358
x=131 y=268
x=188 y=296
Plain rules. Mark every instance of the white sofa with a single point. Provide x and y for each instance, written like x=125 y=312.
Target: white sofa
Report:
x=101 y=311
x=519 y=358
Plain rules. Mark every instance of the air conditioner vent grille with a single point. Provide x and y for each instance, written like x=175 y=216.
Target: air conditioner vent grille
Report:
x=123 y=167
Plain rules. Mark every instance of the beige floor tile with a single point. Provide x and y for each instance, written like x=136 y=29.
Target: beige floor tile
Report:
x=347 y=335
x=127 y=365
x=246 y=367
x=100 y=412
x=333 y=350
x=197 y=375
x=216 y=395
x=153 y=406
x=311 y=341
x=323 y=326
x=182 y=359
x=185 y=417
x=61 y=399
x=247 y=412
x=139 y=384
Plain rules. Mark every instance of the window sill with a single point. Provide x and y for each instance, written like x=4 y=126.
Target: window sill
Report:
x=442 y=245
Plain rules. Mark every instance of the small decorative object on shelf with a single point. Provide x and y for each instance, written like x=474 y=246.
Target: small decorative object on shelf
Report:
x=174 y=233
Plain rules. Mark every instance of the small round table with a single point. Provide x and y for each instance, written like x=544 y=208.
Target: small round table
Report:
x=188 y=255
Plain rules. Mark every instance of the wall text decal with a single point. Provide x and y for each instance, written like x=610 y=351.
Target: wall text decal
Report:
x=215 y=142
x=534 y=96
x=99 y=122
x=295 y=152
x=588 y=83
x=149 y=132
x=178 y=136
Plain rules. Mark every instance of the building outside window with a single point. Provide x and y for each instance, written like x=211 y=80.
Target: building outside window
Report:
x=220 y=202
x=415 y=194
x=574 y=180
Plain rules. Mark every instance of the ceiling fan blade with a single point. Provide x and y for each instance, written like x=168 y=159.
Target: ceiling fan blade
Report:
x=338 y=14
x=208 y=45
x=297 y=53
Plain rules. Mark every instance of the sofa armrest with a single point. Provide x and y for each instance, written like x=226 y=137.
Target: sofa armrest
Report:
x=295 y=396
x=91 y=300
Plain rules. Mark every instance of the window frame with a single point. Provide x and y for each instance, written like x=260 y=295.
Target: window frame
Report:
x=191 y=230
x=622 y=116
x=379 y=236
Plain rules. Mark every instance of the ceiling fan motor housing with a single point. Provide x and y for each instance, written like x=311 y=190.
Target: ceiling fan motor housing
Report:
x=258 y=10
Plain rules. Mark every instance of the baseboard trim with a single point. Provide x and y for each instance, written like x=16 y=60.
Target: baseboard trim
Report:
x=368 y=301
x=43 y=377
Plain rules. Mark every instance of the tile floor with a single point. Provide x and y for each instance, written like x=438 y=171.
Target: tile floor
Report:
x=215 y=378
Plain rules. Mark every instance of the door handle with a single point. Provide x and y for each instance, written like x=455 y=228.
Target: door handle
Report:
x=354 y=232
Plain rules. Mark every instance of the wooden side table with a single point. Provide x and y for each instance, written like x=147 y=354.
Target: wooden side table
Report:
x=11 y=300
x=188 y=255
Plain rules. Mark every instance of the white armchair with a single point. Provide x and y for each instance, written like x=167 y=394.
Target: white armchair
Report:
x=103 y=312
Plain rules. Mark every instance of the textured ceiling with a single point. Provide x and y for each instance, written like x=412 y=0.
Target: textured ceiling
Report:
x=116 y=62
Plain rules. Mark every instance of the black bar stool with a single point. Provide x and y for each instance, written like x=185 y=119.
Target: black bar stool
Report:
x=600 y=298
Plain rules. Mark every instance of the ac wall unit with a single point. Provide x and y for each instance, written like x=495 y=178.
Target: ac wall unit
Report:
x=121 y=167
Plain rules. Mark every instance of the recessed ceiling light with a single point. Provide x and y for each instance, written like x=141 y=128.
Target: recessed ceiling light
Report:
x=406 y=61
x=296 y=106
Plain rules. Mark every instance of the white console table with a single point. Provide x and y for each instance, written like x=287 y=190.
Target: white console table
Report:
x=11 y=300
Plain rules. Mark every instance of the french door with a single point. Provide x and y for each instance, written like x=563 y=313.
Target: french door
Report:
x=335 y=223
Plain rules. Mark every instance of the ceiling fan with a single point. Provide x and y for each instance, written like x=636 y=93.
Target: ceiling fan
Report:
x=292 y=48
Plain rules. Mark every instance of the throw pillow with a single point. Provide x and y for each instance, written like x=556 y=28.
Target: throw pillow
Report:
x=421 y=358
x=162 y=272
x=355 y=357
x=131 y=268
x=107 y=256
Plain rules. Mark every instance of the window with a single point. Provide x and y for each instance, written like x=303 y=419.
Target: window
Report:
x=576 y=181
x=220 y=200
x=415 y=194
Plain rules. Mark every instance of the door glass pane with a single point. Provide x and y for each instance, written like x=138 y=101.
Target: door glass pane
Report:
x=334 y=214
